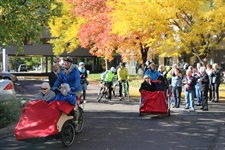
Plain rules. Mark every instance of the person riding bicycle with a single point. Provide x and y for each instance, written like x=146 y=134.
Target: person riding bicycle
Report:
x=83 y=77
x=108 y=77
x=70 y=75
x=122 y=77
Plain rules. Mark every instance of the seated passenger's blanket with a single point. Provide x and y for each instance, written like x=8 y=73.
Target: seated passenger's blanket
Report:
x=39 y=119
x=153 y=102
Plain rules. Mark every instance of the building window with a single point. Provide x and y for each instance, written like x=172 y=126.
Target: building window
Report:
x=168 y=61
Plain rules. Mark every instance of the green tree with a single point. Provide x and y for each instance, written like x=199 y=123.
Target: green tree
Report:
x=25 y=20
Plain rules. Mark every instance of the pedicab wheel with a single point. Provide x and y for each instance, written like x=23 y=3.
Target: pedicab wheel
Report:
x=80 y=125
x=168 y=112
x=68 y=134
x=84 y=94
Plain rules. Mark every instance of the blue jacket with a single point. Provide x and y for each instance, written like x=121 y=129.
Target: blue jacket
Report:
x=153 y=74
x=70 y=98
x=73 y=79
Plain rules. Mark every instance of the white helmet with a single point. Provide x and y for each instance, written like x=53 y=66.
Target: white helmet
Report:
x=113 y=70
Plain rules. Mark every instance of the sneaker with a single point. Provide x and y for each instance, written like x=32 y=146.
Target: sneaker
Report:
x=120 y=98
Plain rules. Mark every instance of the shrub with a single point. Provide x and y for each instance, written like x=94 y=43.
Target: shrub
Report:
x=10 y=112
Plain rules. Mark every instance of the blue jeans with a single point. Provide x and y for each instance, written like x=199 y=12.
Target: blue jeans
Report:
x=189 y=98
x=198 y=94
x=176 y=94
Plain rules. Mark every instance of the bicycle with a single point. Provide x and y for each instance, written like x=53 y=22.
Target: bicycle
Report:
x=115 y=90
x=103 y=91
x=125 y=89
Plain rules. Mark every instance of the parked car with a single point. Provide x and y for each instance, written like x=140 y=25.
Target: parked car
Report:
x=22 y=67
x=9 y=76
x=7 y=91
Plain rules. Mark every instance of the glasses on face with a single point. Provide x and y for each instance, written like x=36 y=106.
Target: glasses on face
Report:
x=43 y=88
x=147 y=78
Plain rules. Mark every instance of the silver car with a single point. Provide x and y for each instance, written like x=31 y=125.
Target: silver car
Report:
x=9 y=76
x=7 y=91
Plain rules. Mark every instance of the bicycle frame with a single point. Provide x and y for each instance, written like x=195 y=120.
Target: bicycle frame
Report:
x=125 y=89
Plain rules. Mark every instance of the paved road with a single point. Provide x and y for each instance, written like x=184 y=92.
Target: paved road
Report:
x=117 y=126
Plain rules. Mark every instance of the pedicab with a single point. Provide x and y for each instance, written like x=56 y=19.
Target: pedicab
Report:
x=42 y=121
x=154 y=103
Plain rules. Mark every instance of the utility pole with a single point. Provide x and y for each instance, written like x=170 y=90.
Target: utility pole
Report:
x=4 y=60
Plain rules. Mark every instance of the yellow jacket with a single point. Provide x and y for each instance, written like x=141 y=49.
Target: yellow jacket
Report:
x=122 y=74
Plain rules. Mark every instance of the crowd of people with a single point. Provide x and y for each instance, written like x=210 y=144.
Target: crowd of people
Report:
x=200 y=82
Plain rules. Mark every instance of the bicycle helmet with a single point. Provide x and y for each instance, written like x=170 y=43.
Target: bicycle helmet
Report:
x=147 y=63
x=113 y=70
x=122 y=64
x=68 y=59
x=81 y=63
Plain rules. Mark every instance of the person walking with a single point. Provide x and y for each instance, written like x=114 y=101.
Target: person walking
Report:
x=216 y=77
x=204 y=86
x=83 y=78
x=176 y=83
x=189 y=89
x=197 y=75
x=52 y=77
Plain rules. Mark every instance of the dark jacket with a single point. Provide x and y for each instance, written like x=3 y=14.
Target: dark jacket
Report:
x=146 y=86
x=204 y=85
x=216 y=75
x=52 y=78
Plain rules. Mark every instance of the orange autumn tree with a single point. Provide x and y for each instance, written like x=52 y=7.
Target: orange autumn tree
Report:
x=95 y=32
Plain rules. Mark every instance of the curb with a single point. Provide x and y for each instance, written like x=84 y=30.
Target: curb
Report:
x=7 y=130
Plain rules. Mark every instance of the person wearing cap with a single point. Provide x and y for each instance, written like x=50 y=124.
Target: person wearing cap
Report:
x=83 y=77
x=70 y=75
x=45 y=94
x=108 y=77
x=123 y=75
x=54 y=75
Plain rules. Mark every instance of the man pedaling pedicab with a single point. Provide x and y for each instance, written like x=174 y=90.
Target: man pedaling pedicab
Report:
x=70 y=75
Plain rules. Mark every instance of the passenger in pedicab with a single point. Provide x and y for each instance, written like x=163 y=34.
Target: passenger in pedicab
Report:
x=46 y=93
x=67 y=95
x=161 y=84
x=147 y=85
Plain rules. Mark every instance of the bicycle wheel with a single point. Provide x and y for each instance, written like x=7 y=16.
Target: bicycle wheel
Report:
x=68 y=134
x=116 y=91
x=100 y=94
x=80 y=125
